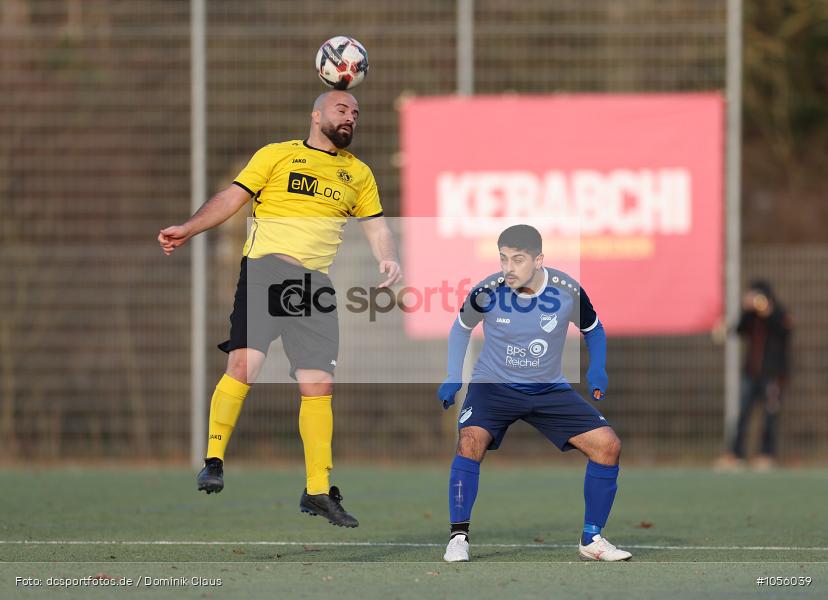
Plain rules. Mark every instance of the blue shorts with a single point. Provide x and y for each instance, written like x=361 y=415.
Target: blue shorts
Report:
x=559 y=415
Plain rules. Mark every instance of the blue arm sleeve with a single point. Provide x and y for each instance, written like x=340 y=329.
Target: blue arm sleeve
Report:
x=596 y=341
x=458 y=343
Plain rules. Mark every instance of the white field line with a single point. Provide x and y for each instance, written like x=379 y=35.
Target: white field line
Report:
x=382 y=545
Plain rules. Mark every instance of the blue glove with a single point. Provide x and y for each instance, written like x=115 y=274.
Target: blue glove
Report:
x=598 y=382
x=447 y=391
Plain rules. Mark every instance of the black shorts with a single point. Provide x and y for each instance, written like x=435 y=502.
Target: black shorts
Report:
x=275 y=298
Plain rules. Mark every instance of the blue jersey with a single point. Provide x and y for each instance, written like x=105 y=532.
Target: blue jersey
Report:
x=525 y=334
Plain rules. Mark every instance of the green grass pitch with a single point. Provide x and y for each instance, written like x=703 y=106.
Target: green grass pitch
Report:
x=693 y=534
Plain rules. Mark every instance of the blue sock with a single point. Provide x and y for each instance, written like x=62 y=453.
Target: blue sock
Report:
x=599 y=492
x=465 y=475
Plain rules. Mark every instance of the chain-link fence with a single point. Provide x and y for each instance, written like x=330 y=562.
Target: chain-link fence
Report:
x=94 y=320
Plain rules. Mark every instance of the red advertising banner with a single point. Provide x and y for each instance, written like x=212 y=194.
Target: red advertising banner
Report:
x=632 y=184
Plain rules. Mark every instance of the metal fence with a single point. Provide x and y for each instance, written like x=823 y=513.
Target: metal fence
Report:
x=95 y=147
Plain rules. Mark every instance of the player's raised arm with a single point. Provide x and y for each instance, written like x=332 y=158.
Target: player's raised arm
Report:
x=384 y=249
x=596 y=341
x=214 y=212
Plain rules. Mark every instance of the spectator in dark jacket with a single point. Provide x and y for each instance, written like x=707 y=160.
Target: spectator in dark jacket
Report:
x=766 y=328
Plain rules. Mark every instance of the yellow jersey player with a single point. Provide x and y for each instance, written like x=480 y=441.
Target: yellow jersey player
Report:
x=303 y=193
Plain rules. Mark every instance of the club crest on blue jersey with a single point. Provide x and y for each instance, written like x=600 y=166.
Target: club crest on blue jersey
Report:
x=548 y=322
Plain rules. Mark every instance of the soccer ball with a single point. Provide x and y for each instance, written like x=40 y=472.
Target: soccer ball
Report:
x=342 y=62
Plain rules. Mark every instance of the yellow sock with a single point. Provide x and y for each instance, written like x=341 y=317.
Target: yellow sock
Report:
x=316 y=429
x=225 y=408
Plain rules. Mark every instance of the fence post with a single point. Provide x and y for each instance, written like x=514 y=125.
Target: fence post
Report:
x=733 y=225
x=198 y=173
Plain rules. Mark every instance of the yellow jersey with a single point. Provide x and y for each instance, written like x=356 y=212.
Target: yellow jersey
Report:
x=302 y=198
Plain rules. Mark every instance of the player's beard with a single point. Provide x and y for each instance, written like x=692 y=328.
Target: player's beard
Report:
x=339 y=138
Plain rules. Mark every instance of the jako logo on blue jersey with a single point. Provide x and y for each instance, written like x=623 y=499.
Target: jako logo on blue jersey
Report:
x=504 y=298
x=464 y=416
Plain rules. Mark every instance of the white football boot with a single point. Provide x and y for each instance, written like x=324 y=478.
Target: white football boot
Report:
x=601 y=549
x=457 y=549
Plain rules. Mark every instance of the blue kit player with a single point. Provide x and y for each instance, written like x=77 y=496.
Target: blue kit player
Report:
x=526 y=309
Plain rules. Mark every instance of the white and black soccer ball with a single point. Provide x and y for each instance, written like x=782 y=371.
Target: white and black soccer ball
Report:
x=342 y=62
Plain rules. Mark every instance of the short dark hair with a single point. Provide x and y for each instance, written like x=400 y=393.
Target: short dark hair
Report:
x=521 y=237
x=763 y=287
